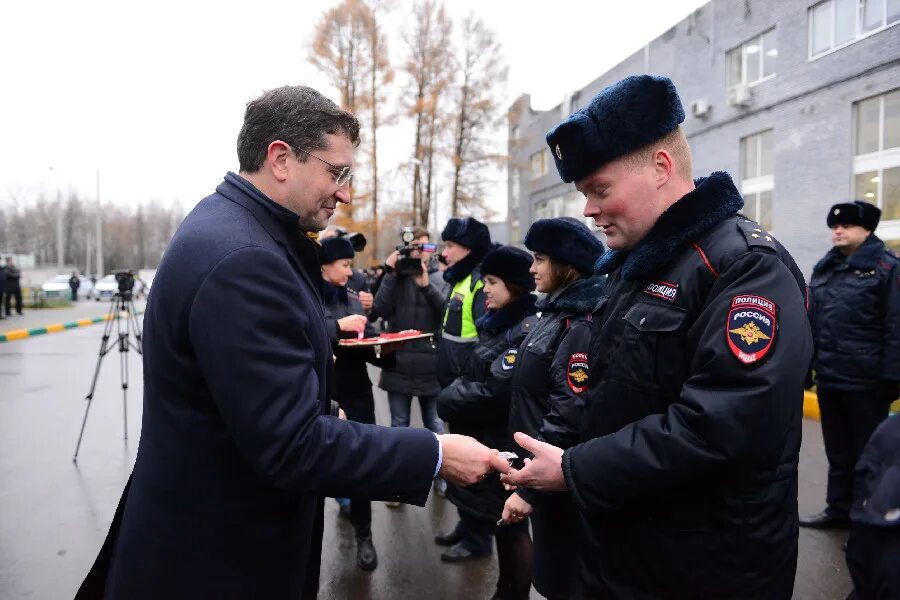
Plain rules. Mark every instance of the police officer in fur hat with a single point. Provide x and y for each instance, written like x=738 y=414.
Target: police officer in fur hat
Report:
x=466 y=241
x=686 y=474
x=550 y=384
x=855 y=315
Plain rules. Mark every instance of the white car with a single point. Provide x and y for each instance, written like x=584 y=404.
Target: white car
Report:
x=108 y=286
x=58 y=287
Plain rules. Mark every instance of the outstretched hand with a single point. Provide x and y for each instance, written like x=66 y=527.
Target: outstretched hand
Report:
x=543 y=472
x=466 y=461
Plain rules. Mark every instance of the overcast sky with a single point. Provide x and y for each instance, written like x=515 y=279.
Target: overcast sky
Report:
x=152 y=94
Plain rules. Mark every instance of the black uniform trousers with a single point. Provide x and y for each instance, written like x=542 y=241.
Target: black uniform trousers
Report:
x=13 y=293
x=361 y=410
x=848 y=420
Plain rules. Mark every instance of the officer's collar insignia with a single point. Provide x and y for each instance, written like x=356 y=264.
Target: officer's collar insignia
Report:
x=558 y=152
x=577 y=373
x=662 y=289
x=509 y=359
x=751 y=328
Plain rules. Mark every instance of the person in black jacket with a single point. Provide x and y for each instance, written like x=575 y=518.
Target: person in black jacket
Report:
x=74 y=284
x=854 y=309
x=345 y=318
x=873 y=547
x=2 y=288
x=13 y=290
x=477 y=404
x=550 y=382
x=685 y=477
x=411 y=301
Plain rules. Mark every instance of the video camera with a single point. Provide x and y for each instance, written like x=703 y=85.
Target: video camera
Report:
x=356 y=239
x=125 y=279
x=406 y=264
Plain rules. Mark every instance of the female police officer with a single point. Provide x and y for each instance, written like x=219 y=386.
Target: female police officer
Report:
x=477 y=404
x=549 y=383
x=345 y=317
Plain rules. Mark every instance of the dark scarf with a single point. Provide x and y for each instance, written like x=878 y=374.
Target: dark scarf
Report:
x=495 y=321
x=580 y=297
x=463 y=268
x=332 y=294
x=713 y=200
x=865 y=258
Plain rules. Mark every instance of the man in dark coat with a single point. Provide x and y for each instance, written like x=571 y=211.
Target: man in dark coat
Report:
x=854 y=309
x=686 y=477
x=13 y=289
x=74 y=284
x=2 y=288
x=237 y=448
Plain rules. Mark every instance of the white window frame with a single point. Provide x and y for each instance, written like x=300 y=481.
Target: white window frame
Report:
x=543 y=169
x=740 y=49
x=877 y=161
x=758 y=184
x=858 y=33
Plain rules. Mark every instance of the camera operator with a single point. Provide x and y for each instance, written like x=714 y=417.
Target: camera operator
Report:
x=411 y=297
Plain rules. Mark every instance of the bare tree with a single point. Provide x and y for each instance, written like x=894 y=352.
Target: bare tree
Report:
x=482 y=72
x=430 y=68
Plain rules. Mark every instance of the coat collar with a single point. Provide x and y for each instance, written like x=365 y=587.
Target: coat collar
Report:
x=495 y=321
x=865 y=258
x=580 y=297
x=280 y=223
x=714 y=199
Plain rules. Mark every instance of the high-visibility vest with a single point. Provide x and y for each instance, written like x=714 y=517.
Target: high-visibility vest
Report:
x=459 y=325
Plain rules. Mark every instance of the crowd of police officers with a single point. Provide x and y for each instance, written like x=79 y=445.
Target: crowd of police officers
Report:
x=651 y=394
x=666 y=372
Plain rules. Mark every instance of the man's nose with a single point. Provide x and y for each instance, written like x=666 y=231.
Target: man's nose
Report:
x=343 y=194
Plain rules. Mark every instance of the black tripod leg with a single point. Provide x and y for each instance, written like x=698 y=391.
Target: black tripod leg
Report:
x=123 y=368
x=139 y=346
x=104 y=349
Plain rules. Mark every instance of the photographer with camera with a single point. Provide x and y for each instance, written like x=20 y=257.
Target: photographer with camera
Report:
x=411 y=297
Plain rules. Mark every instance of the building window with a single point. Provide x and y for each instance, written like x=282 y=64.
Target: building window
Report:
x=757 y=179
x=570 y=204
x=753 y=61
x=836 y=23
x=538 y=162
x=876 y=164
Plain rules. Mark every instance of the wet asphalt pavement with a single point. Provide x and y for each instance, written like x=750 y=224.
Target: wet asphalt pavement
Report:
x=54 y=514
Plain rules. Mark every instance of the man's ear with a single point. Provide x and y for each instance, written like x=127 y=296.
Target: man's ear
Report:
x=277 y=155
x=663 y=167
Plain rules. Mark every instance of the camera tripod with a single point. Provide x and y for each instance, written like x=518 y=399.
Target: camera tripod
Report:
x=126 y=326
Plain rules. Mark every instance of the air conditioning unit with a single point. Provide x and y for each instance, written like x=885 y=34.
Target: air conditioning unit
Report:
x=700 y=109
x=740 y=95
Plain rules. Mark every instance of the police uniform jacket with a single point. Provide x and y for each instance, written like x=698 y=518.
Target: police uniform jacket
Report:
x=236 y=450
x=453 y=355
x=855 y=314
x=477 y=403
x=686 y=479
x=873 y=548
x=352 y=386
x=404 y=304
x=549 y=385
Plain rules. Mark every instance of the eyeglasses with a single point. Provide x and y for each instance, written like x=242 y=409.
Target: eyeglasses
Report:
x=342 y=175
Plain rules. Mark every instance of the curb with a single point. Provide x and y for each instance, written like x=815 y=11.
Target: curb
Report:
x=21 y=334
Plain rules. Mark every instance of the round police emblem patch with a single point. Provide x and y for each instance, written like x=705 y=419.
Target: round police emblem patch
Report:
x=509 y=359
x=751 y=328
x=577 y=373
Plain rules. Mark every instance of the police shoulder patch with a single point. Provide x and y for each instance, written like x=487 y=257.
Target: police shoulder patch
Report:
x=751 y=328
x=577 y=372
x=509 y=359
